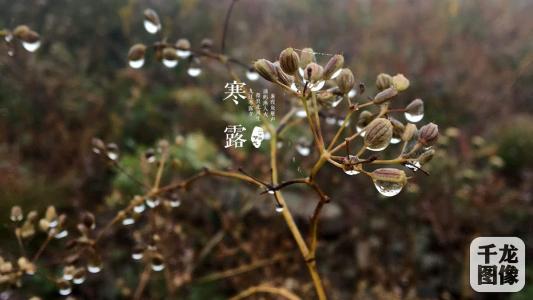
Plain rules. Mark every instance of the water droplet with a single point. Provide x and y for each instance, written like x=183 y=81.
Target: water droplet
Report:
x=78 y=279
x=279 y=208
x=8 y=38
x=387 y=188
x=267 y=135
x=194 y=71
x=271 y=192
x=136 y=64
x=61 y=234
x=336 y=74
x=301 y=113
x=151 y=27
x=170 y=63
x=183 y=53
x=331 y=121
x=413 y=117
x=337 y=101
x=94 y=268
x=112 y=155
x=67 y=276
x=174 y=201
x=351 y=172
x=10 y=52
x=53 y=223
x=317 y=86
x=31 y=47
x=152 y=202
x=139 y=208
x=377 y=149
x=339 y=122
x=279 y=145
x=414 y=166
x=395 y=140
x=303 y=150
x=65 y=291
x=137 y=256
x=252 y=75
x=301 y=71
x=294 y=87
x=352 y=93
x=128 y=221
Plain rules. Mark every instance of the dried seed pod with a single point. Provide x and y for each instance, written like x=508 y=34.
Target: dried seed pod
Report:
x=333 y=66
x=289 y=61
x=409 y=132
x=88 y=220
x=345 y=81
x=378 y=134
x=383 y=81
x=307 y=56
x=266 y=69
x=26 y=266
x=313 y=72
x=385 y=95
x=137 y=52
x=170 y=54
x=389 y=175
x=16 y=214
x=426 y=156
x=206 y=44
x=429 y=134
x=400 y=82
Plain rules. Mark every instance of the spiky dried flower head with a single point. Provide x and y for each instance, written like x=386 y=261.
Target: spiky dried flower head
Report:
x=385 y=95
x=428 y=134
x=313 y=72
x=307 y=56
x=400 y=82
x=266 y=69
x=137 y=52
x=378 y=133
x=334 y=64
x=345 y=81
x=389 y=175
x=289 y=61
x=383 y=81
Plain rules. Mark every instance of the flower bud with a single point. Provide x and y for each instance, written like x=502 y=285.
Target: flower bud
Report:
x=313 y=72
x=289 y=61
x=426 y=156
x=409 y=132
x=282 y=77
x=389 y=175
x=30 y=37
x=378 y=134
x=383 y=81
x=428 y=134
x=385 y=95
x=170 y=54
x=21 y=31
x=365 y=117
x=416 y=107
x=400 y=82
x=16 y=214
x=137 y=52
x=345 y=81
x=183 y=44
x=307 y=56
x=266 y=69
x=333 y=65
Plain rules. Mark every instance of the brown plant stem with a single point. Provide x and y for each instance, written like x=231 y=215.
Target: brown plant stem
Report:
x=263 y=288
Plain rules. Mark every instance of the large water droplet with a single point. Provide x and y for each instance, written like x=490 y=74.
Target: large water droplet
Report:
x=31 y=47
x=137 y=255
x=78 y=279
x=139 y=208
x=252 y=75
x=183 y=53
x=128 y=221
x=194 y=71
x=301 y=113
x=303 y=150
x=136 y=64
x=413 y=117
x=387 y=188
x=151 y=27
x=279 y=208
x=65 y=291
x=351 y=172
x=352 y=93
x=152 y=202
x=158 y=267
x=174 y=200
x=170 y=63
x=63 y=233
